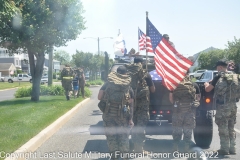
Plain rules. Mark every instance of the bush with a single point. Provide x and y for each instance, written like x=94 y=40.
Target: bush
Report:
x=87 y=92
x=87 y=84
x=54 y=75
x=44 y=90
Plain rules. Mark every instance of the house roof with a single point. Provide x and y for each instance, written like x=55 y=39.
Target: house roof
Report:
x=7 y=66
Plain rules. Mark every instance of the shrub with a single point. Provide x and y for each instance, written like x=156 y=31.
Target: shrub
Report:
x=87 y=92
x=54 y=75
x=87 y=84
x=44 y=90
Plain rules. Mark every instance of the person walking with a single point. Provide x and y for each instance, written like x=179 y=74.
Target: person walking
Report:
x=141 y=84
x=117 y=96
x=66 y=77
x=81 y=78
x=185 y=99
x=75 y=83
x=225 y=92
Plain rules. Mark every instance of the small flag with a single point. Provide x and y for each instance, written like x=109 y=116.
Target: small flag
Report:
x=141 y=40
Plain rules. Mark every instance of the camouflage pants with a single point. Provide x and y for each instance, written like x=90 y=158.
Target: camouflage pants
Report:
x=67 y=85
x=117 y=133
x=81 y=87
x=140 y=119
x=183 y=123
x=225 y=118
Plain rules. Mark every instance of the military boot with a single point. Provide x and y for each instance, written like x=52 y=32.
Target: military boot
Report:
x=68 y=98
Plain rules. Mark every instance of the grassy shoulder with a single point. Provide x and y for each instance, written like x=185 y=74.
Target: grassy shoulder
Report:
x=6 y=85
x=22 y=119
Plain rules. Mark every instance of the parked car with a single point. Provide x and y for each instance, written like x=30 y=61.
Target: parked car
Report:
x=196 y=74
x=44 y=79
x=20 y=77
x=207 y=76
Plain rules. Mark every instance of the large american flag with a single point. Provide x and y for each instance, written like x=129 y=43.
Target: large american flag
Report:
x=169 y=64
x=141 y=40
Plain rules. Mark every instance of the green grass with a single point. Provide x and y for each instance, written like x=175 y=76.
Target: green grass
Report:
x=21 y=119
x=6 y=85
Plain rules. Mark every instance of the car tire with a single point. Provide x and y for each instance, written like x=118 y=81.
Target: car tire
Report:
x=203 y=131
x=191 y=77
x=30 y=80
x=10 y=81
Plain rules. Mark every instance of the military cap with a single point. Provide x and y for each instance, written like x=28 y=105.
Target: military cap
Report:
x=221 y=62
x=138 y=60
x=122 y=70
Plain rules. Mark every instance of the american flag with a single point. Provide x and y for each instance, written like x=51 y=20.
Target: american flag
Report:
x=141 y=40
x=155 y=76
x=169 y=64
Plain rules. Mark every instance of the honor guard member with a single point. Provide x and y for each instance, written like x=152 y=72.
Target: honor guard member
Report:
x=186 y=99
x=226 y=93
x=67 y=77
x=141 y=84
x=116 y=103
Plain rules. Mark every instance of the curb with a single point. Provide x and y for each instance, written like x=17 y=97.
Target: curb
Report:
x=33 y=144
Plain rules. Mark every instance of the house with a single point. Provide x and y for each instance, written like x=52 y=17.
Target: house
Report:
x=196 y=56
x=15 y=59
x=7 y=69
x=56 y=65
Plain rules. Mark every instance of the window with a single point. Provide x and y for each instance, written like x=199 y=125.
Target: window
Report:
x=16 y=62
x=19 y=75
x=25 y=76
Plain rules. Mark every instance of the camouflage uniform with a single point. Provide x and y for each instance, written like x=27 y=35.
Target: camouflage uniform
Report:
x=225 y=118
x=67 y=76
x=80 y=74
x=140 y=120
x=117 y=133
x=183 y=121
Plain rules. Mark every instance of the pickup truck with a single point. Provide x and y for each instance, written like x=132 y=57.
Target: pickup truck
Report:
x=20 y=77
x=160 y=109
x=196 y=74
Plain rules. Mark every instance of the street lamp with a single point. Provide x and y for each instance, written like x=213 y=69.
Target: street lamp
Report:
x=98 y=39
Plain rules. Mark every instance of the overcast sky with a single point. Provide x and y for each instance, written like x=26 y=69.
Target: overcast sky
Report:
x=192 y=25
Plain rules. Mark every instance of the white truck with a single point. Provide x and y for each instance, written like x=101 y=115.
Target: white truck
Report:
x=20 y=77
x=2 y=79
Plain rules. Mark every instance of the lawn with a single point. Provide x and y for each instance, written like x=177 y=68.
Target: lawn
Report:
x=21 y=119
x=6 y=85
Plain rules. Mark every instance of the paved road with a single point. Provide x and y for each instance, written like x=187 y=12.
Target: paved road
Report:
x=84 y=134
x=7 y=94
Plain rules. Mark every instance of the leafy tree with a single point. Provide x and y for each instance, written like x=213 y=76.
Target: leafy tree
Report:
x=208 y=59
x=233 y=52
x=62 y=56
x=39 y=25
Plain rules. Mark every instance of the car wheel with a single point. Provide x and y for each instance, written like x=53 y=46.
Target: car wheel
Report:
x=30 y=81
x=10 y=81
x=191 y=77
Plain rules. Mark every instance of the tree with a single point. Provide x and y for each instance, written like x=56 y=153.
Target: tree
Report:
x=208 y=59
x=62 y=56
x=40 y=25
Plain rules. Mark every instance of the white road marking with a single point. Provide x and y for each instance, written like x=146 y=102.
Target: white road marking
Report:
x=237 y=130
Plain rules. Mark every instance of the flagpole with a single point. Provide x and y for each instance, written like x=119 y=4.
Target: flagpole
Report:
x=146 y=40
x=138 y=40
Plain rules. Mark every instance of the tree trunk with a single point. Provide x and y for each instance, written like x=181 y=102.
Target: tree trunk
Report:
x=36 y=69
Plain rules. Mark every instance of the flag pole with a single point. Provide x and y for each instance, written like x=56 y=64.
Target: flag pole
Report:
x=146 y=40
x=138 y=40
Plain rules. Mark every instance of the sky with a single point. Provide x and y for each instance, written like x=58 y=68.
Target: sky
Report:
x=192 y=25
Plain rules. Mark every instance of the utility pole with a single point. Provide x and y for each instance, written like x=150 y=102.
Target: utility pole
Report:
x=98 y=46
x=50 y=65
x=106 y=66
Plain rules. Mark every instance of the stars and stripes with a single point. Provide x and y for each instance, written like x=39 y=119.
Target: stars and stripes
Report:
x=141 y=40
x=169 y=64
x=155 y=76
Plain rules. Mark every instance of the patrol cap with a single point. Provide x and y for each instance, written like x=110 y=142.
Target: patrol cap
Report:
x=122 y=70
x=221 y=62
x=138 y=60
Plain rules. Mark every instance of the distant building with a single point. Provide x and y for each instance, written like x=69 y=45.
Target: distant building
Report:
x=7 y=69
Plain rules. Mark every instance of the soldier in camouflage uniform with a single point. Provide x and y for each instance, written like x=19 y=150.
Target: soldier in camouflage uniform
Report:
x=226 y=112
x=117 y=124
x=185 y=101
x=141 y=109
x=66 y=77
x=81 y=77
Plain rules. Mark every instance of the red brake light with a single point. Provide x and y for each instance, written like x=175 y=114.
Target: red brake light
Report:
x=153 y=112
x=168 y=112
x=161 y=112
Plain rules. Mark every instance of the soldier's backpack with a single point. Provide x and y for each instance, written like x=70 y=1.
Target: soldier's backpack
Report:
x=117 y=91
x=227 y=88
x=67 y=72
x=138 y=82
x=185 y=91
